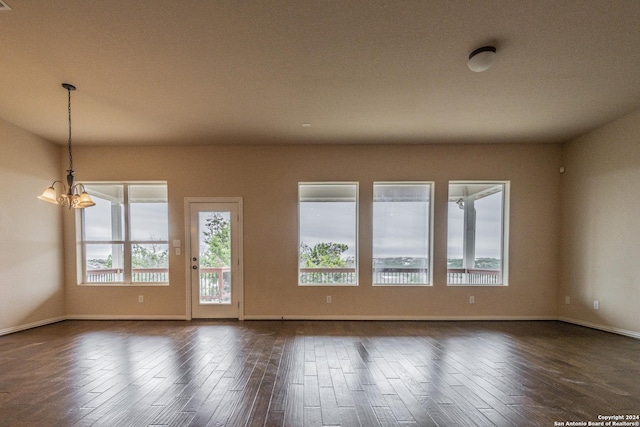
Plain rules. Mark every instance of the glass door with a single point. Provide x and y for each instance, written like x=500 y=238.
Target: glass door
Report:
x=215 y=260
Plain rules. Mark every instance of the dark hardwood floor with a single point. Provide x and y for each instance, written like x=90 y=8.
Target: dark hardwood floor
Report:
x=315 y=373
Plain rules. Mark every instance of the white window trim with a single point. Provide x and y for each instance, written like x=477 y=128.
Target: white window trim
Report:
x=127 y=243
x=505 y=231
x=431 y=230
x=357 y=236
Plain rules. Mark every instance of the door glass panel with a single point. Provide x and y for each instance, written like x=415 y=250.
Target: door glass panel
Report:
x=214 y=242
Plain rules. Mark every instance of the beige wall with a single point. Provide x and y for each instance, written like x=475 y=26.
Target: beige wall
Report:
x=267 y=177
x=601 y=227
x=588 y=253
x=31 y=251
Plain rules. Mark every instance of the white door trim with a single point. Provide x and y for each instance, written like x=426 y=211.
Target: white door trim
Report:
x=188 y=201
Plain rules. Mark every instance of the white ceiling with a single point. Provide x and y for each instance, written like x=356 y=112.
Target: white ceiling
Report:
x=243 y=71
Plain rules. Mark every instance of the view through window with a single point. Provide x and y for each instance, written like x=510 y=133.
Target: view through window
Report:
x=401 y=233
x=125 y=235
x=328 y=225
x=477 y=229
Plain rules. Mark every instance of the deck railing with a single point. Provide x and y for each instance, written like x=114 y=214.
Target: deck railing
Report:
x=397 y=276
x=215 y=282
x=400 y=276
x=327 y=276
x=115 y=275
x=460 y=276
x=215 y=285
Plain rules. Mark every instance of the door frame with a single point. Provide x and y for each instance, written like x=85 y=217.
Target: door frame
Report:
x=239 y=275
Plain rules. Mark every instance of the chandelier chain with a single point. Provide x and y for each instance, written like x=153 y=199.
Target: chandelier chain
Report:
x=69 y=111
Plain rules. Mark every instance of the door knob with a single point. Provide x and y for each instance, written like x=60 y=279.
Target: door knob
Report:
x=195 y=267
x=194 y=259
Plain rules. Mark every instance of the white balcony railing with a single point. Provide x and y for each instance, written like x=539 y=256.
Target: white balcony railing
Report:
x=115 y=275
x=397 y=276
x=460 y=276
x=214 y=281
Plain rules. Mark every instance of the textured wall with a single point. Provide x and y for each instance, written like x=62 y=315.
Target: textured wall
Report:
x=267 y=177
x=601 y=227
x=31 y=249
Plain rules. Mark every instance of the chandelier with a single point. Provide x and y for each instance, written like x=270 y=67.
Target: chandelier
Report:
x=73 y=195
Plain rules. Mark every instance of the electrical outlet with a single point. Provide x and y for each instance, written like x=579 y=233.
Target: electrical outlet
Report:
x=567 y=300
x=178 y=252
x=328 y=299
x=140 y=299
x=596 y=305
x=472 y=300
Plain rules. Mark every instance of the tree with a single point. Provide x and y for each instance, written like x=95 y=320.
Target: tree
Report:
x=148 y=257
x=454 y=262
x=217 y=236
x=326 y=255
x=100 y=263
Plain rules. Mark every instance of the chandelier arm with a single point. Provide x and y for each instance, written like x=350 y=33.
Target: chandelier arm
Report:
x=64 y=187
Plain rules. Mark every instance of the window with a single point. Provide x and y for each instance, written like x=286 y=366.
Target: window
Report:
x=328 y=249
x=401 y=233
x=477 y=233
x=125 y=237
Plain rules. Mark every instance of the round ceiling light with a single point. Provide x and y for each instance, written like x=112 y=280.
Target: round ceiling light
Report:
x=482 y=58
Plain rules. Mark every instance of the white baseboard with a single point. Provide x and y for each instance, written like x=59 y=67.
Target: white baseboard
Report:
x=391 y=317
x=32 y=325
x=127 y=317
x=619 y=331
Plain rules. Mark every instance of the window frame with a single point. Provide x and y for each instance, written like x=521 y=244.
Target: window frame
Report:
x=356 y=233
x=430 y=229
x=504 y=238
x=126 y=242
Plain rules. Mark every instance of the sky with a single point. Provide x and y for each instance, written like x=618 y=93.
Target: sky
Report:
x=148 y=220
x=401 y=228
x=488 y=228
x=333 y=222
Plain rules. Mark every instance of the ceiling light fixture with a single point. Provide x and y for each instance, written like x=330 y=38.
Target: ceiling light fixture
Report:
x=75 y=195
x=482 y=58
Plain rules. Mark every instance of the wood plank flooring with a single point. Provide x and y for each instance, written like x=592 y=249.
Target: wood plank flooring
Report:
x=315 y=373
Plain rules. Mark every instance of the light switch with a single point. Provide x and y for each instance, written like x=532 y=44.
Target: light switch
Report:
x=177 y=243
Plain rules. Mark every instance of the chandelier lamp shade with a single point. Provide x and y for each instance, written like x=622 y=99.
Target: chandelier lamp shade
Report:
x=72 y=195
